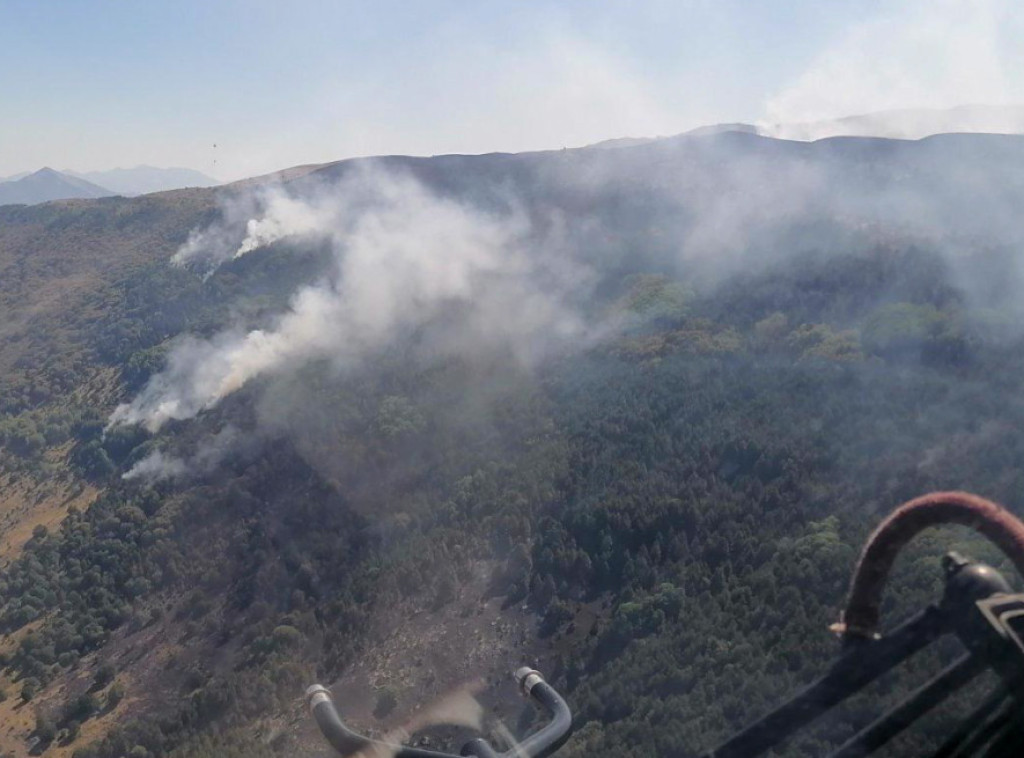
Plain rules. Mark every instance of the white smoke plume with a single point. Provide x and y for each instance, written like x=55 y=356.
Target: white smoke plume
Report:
x=161 y=466
x=272 y=215
x=403 y=256
x=155 y=467
x=283 y=217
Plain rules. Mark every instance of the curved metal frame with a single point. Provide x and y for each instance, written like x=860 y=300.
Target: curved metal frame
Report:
x=537 y=745
x=978 y=607
x=1000 y=526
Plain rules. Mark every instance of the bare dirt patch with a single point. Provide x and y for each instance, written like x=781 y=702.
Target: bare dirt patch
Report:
x=24 y=505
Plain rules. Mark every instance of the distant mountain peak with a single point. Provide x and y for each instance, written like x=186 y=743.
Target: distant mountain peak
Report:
x=906 y=123
x=703 y=131
x=903 y=123
x=144 y=179
x=48 y=184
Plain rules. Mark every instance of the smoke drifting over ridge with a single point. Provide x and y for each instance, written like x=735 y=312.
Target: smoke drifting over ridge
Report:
x=476 y=255
x=403 y=257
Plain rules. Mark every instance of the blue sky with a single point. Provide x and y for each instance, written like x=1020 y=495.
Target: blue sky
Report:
x=94 y=84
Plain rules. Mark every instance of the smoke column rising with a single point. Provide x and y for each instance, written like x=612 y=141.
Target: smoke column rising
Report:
x=401 y=256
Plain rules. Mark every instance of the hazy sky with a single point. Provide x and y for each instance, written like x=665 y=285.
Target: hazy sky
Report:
x=96 y=84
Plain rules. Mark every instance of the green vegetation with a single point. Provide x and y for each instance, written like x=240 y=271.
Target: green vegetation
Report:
x=698 y=483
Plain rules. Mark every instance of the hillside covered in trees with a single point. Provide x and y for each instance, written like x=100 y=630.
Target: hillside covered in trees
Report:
x=626 y=414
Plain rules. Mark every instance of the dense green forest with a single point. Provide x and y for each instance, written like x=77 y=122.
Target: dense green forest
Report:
x=678 y=505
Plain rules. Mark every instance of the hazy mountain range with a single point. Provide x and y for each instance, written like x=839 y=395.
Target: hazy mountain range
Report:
x=908 y=123
x=142 y=180
x=49 y=184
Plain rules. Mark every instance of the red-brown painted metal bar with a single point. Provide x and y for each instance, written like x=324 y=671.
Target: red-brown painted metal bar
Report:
x=989 y=519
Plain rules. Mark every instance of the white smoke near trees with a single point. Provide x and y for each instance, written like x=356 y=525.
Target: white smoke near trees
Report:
x=155 y=467
x=403 y=256
x=285 y=216
x=211 y=451
x=261 y=218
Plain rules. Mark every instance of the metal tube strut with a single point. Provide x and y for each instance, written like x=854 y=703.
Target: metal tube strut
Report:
x=863 y=662
x=923 y=700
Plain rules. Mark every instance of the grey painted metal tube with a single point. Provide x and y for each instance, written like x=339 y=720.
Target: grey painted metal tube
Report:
x=347 y=742
x=341 y=738
x=538 y=745
x=552 y=736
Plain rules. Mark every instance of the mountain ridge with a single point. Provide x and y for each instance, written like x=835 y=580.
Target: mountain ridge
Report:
x=904 y=123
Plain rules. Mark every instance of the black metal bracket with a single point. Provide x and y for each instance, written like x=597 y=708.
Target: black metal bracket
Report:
x=980 y=610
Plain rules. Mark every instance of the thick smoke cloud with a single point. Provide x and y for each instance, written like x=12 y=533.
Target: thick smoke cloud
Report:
x=503 y=255
x=403 y=257
x=915 y=54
